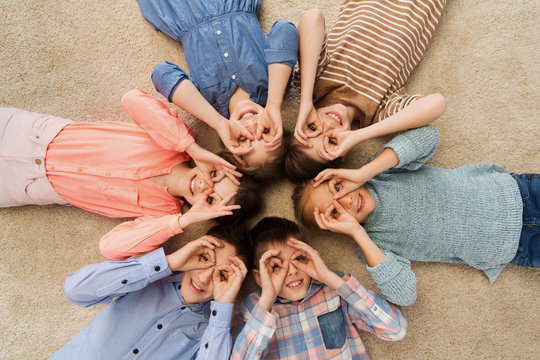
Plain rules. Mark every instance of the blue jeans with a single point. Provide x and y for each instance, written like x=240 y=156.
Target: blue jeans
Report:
x=528 y=253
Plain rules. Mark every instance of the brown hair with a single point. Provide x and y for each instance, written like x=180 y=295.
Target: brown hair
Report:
x=300 y=198
x=299 y=166
x=271 y=230
x=237 y=236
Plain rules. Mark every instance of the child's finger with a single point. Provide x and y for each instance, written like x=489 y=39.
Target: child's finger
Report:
x=227 y=198
x=240 y=264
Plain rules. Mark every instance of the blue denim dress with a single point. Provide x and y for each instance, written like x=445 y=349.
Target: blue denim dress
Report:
x=224 y=47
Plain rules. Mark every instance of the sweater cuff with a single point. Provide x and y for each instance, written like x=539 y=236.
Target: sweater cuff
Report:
x=386 y=270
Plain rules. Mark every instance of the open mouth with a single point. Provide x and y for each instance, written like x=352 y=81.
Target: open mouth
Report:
x=192 y=185
x=247 y=113
x=195 y=287
x=336 y=117
x=360 y=204
x=295 y=284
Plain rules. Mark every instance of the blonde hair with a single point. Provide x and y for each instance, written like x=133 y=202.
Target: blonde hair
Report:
x=301 y=201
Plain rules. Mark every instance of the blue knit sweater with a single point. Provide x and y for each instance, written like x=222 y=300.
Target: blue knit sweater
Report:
x=470 y=215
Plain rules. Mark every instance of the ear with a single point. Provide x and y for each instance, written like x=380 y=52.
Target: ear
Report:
x=257 y=276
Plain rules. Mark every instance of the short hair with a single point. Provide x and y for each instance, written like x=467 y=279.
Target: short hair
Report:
x=270 y=230
x=269 y=170
x=249 y=199
x=299 y=198
x=299 y=166
x=237 y=236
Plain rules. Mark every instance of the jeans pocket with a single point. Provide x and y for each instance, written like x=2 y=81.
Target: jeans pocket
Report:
x=332 y=327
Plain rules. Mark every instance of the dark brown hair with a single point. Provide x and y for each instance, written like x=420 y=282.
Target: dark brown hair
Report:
x=236 y=235
x=270 y=230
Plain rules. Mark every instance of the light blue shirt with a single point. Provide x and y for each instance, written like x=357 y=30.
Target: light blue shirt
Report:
x=146 y=317
x=224 y=47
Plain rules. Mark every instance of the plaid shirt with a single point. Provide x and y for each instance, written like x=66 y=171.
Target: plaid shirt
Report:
x=321 y=326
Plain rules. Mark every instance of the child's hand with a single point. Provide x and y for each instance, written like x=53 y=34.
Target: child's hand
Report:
x=208 y=206
x=212 y=167
x=228 y=280
x=236 y=138
x=273 y=273
x=270 y=128
x=337 y=219
x=310 y=261
x=196 y=254
x=343 y=181
x=336 y=143
x=308 y=124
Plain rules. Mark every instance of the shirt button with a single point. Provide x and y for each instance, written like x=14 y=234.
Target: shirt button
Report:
x=218 y=32
x=214 y=313
x=375 y=308
x=259 y=353
x=182 y=308
x=300 y=307
x=53 y=168
x=308 y=340
x=135 y=351
x=37 y=136
x=138 y=177
x=233 y=77
x=38 y=161
x=206 y=346
x=226 y=54
x=79 y=169
x=179 y=287
x=157 y=268
x=124 y=282
x=159 y=326
x=108 y=173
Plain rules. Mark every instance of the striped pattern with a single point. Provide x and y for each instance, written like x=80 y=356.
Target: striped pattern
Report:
x=371 y=51
x=292 y=330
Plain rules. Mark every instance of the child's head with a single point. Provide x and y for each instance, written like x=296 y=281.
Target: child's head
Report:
x=358 y=203
x=272 y=233
x=197 y=285
x=249 y=199
x=304 y=162
x=261 y=164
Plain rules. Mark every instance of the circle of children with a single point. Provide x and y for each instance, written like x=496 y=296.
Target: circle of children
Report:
x=395 y=207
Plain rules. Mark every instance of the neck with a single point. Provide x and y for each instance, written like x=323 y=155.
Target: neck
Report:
x=238 y=95
x=174 y=180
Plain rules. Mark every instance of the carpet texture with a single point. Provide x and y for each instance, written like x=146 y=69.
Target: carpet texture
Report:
x=75 y=59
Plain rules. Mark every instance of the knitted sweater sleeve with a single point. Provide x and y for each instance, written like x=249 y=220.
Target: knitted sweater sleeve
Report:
x=394 y=278
x=414 y=147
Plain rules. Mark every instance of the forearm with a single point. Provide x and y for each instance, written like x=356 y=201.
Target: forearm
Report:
x=216 y=342
x=372 y=253
x=138 y=236
x=385 y=160
x=311 y=31
x=278 y=77
x=419 y=113
x=101 y=283
x=187 y=97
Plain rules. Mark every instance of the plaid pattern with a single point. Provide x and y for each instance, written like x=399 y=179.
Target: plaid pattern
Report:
x=292 y=331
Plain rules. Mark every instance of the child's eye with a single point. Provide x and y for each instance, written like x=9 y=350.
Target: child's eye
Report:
x=203 y=257
x=275 y=267
x=337 y=187
x=335 y=214
x=302 y=259
x=210 y=200
x=332 y=141
x=213 y=173
x=312 y=127
x=266 y=131
x=223 y=275
x=242 y=139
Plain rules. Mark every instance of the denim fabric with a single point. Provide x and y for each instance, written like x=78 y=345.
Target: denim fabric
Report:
x=224 y=47
x=528 y=253
x=332 y=326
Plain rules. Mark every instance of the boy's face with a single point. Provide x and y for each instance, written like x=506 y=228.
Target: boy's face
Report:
x=194 y=186
x=297 y=282
x=248 y=114
x=359 y=203
x=337 y=116
x=198 y=285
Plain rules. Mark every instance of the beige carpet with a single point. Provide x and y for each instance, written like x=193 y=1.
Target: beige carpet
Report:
x=76 y=58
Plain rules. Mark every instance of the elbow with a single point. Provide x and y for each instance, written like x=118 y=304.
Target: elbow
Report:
x=439 y=104
x=313 y=18
x=108 y=250
x=72 y=287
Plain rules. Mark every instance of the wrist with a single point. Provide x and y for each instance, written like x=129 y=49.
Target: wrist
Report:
x=266 y=302
x=184 y=221
x=193 y=149
x=333 y=280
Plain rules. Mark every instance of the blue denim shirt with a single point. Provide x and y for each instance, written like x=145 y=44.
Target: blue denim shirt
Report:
x=224 y=47
x=146 y=317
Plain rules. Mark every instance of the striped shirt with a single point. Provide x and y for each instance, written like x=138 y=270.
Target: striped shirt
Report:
x=321 y=326
x=370 y=53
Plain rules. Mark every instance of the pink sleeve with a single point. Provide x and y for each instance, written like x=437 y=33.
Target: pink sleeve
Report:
x=138 y=236
x=158 y=120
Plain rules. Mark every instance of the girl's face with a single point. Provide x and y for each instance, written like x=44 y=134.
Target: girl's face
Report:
x=248 y=114
x=358 y=203
x=331 y=117
x=193 y=186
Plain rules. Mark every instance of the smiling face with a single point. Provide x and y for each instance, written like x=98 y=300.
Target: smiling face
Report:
x=192 y=186
x=331 y=117
x=358 y=203
x=198 y=285
x=248 y=114
x=297 y=282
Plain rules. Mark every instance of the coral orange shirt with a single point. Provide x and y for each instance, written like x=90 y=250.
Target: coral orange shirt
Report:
x=105 y=167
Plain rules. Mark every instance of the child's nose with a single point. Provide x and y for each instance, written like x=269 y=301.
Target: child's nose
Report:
x=205 y=276
x=346 y=201
x=292 y=269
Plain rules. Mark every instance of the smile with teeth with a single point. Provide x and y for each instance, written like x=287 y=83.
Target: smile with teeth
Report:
x=295 y=284
x=360 y=203
x=335 y=116
x=247 y=113
x=192 y=185
x=196 y=287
